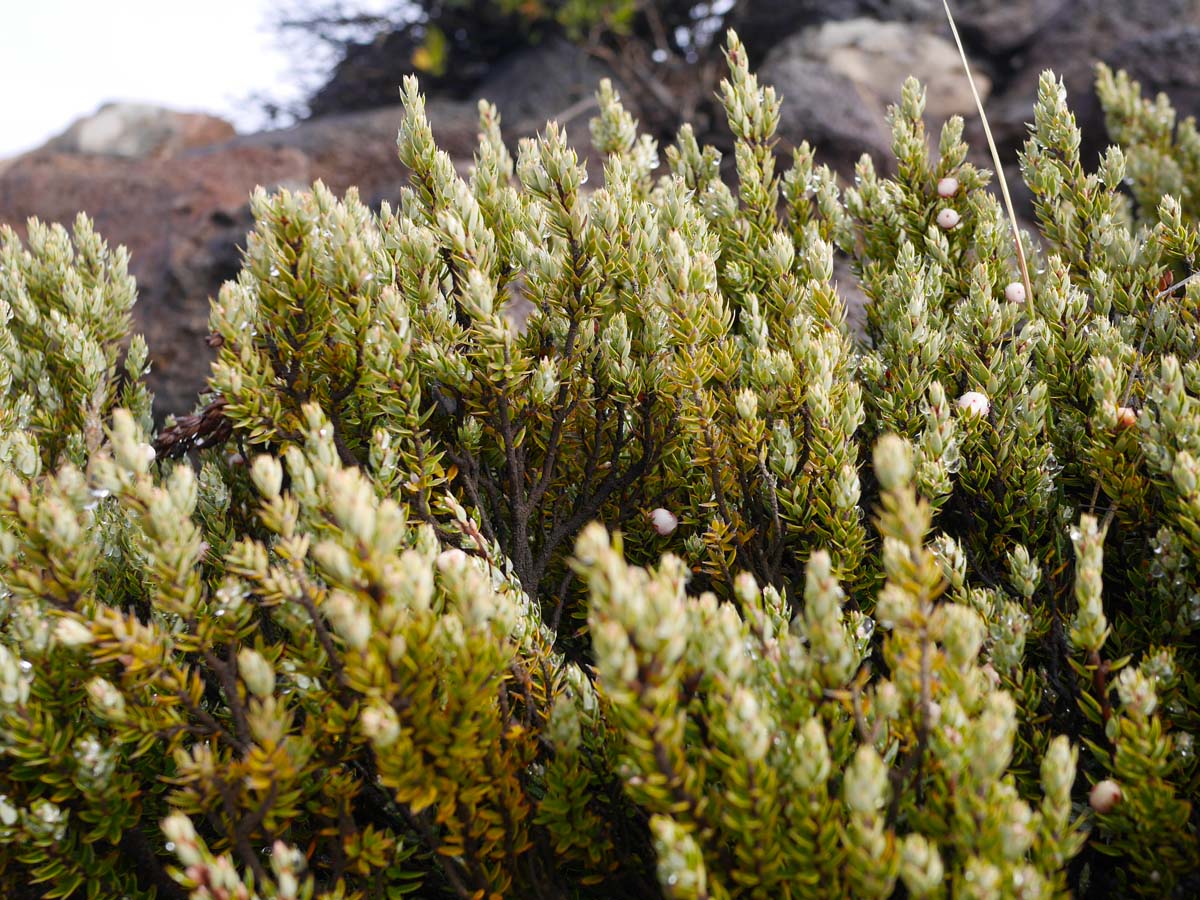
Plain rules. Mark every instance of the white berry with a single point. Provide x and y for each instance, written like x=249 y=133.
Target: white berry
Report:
x=973 y=403
x=1014 y=292
x=948 y=186
x=664 y=521
x=948 y=218
x=1105 y=796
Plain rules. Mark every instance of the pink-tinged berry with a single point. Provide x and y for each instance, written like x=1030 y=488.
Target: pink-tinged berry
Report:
x=948 y=186
x=973 y=403
x=1105 y=796
x=664 y=521
x=1014 y=292
x=948 y=218
x=1126 y=417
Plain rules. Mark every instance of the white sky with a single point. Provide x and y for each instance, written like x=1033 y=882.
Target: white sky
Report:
x=60 y=59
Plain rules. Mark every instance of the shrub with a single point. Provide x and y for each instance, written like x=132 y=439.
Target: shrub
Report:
x=369 y=644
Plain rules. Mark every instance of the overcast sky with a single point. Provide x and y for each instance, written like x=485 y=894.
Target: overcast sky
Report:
x=60 y=59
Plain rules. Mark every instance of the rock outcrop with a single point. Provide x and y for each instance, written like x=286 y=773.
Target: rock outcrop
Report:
x=838 y=78
x=139 y=131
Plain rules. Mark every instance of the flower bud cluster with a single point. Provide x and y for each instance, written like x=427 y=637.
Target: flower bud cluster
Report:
x=830 y=642
x=1089 y=628
x=15 y=678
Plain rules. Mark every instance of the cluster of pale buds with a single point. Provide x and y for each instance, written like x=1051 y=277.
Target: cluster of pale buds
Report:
x=451 y=558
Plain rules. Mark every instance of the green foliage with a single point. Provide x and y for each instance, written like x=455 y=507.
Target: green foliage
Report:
x=528 y=548
x=65 y=301
x=1162 y=154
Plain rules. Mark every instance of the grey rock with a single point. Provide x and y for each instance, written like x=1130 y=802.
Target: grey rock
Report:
x=878 y=56
x=556 y=81
x=851 y=292
x=1002 y=28
x=764 y=23
x=838 y=79
x=1164 y=61
x=542 y=83
x=138 y=131
x=1156 y=41
x=827 y=110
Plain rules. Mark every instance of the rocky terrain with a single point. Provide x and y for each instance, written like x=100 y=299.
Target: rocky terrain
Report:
x=173 y=187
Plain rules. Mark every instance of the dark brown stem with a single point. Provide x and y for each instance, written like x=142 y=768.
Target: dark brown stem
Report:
x=560 y=601
x=777 y=520
x=912 y=762
x=347 y=829
x=247 y=825
x=345 y=454
x=471 y=848
x=1100 y=669
x=468 y=467
x=586 y=508
x=325 y=639
x=450 y=868
x=240 y=839
x=515 y=462
x=753 y=509
x=147 y=867
x=212 y=726
x=562 y=413
x=227 y=674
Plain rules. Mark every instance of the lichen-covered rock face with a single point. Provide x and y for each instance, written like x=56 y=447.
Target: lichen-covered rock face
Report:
x=140 y=131
x=540 y=537
x=840 y=76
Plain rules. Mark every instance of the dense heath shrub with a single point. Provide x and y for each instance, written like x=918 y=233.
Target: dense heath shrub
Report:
x=545 y=541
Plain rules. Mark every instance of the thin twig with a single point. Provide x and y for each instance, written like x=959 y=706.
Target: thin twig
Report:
x=308 y=602
x=240 y=839
x=912 y=762
x=987 y=130
x=227 y=676
x=563 y=117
